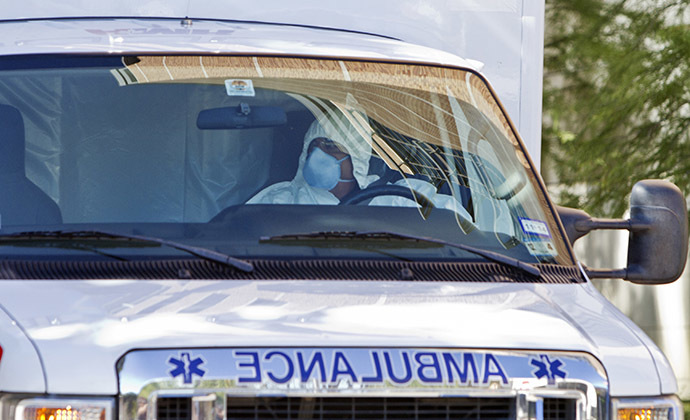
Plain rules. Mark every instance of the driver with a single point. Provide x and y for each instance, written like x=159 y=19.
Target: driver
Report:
x=333 y=163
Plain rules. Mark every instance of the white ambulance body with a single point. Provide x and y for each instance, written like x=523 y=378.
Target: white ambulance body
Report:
x=172 y=248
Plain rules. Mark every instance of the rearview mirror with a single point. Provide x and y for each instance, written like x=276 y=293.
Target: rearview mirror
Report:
x=658 y=225
x=241 y=116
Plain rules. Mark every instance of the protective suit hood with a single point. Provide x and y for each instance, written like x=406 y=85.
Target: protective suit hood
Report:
x=297 y=191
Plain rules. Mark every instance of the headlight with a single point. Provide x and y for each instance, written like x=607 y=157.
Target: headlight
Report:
x=15 y=407
x=659 y=408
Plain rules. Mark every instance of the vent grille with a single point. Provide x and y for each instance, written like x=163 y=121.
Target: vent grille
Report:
x=285 y=270
x=287 y=408
x=559 y=409
x=174 y=409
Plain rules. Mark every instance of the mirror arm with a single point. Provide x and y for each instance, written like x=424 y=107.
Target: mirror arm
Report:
x=578 y=223
x=587 y=225
x=591 y=224
x=597 y=273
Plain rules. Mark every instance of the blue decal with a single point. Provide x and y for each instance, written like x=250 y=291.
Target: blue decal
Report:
x=489 y=361
x=408 y=370
x=288 y=363
x=551 y=369
x=468 y=364
x=254 y=365
x=431 y=366
x=186 y=366
x=339 y=360
x=306 y=370
x=377 y=369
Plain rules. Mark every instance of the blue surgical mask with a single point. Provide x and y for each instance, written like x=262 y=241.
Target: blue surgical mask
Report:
x=322 y=170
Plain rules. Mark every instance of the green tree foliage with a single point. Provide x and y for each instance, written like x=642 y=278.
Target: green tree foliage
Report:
x=616 y=99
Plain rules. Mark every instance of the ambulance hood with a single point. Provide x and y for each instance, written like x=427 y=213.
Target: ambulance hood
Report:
x=80 y=329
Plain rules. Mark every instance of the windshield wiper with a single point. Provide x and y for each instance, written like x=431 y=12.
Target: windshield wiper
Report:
x=202 y=253
x=489 y=255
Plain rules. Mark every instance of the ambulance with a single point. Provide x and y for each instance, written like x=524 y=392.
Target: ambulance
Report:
x=270 y=210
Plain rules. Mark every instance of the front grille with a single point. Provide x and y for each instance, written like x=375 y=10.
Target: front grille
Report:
x=559 y=409
x=361 y=408
x=369 y=408
x=174 y=409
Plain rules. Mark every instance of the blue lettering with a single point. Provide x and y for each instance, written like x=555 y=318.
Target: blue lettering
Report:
x=468 y=363
x=288 y=362
x=254 y=364
x=433 y=365
x=389 y=365
x=489 y=361
x=377 y=370
x=340 y=357
x=306 y=373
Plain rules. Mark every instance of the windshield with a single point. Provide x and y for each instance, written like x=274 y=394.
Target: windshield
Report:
x=246 y=155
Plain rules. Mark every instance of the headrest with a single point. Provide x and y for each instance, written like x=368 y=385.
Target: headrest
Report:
x=11 y=140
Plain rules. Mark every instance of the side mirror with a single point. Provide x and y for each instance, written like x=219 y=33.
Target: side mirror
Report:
x=658 y=225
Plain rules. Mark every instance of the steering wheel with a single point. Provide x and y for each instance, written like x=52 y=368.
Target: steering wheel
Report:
x=359 y=196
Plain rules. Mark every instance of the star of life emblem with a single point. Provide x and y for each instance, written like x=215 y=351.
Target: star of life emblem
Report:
x=547 y=368
x=187 y=366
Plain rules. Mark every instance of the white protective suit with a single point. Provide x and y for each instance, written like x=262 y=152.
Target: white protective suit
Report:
x=298 y=191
